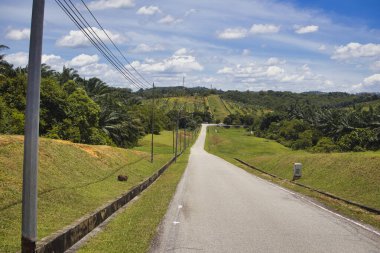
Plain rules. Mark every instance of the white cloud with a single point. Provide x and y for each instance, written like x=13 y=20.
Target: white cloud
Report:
x=83 y=60
x=144 y=48
x=19 y=59
x=233 y=33
x=76 y=38
x=274 y=71
x=356 y=50
x=369 y=84
x=56 y=62
x=181 y=51
x=180 y=61
x=111 y=4
x=264 y=29
x=18 y=34
x=371 y=80
x=169 y=20
x=275 y=61
x=306 y=29
x=149 y=10
x=277 y=77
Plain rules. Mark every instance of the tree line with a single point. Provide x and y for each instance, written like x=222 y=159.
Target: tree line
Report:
x=80 y=110
x=317 y=129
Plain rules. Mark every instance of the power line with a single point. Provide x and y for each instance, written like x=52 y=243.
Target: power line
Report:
x=103 y=44
x=68 y=13
x=96 y=20
x=83 y=25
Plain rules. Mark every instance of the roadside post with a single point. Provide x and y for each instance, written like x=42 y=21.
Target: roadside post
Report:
x=297 y=171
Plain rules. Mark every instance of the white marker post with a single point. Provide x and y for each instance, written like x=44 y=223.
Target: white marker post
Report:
x=29 y=189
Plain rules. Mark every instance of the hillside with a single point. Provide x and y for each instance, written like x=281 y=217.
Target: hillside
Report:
x=74 y=179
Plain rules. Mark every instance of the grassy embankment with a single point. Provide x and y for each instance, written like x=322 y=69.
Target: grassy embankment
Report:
x=354 y=176
x=73 y=180
x=134 y=228
x=217 y=107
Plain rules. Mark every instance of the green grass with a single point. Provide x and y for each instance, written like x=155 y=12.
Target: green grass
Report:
x=217 y=107
x=353 y=176
x=134 y=229
x=73 y=180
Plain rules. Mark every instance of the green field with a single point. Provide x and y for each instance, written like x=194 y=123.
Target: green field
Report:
x=73 y=180
x=353 y=176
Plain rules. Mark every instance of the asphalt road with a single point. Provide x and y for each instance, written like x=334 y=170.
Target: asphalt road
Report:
x=219 y=207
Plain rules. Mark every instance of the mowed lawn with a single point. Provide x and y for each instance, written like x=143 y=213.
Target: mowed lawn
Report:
x=73 y=180
x=354 y=176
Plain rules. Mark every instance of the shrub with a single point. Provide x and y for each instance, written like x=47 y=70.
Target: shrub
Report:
x=325 y=144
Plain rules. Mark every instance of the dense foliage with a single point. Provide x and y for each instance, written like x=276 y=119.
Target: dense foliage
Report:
x=317 y=129
x=86 y=111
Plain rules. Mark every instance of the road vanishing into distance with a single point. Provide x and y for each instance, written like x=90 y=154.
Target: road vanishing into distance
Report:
x=219 y=207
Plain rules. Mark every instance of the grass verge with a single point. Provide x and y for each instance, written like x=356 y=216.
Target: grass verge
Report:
x=73 y=180
x=353 y=176
x=134 y=229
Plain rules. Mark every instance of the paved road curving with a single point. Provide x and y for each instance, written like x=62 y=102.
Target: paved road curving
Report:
x=219 y=207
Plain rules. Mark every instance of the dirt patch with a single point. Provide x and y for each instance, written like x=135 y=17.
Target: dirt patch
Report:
x=90 y=150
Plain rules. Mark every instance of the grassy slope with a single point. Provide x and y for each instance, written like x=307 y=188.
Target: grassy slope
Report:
x=191 y=103
x=74 y=179
x=217 y=107
x=134 y=229
x=355 y=176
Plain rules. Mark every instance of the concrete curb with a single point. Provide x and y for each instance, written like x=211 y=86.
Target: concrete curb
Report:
x=68 y=236
x=367 y=208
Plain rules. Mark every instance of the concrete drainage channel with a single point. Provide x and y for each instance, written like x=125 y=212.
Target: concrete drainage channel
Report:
x=367 y=208
x=63 y=239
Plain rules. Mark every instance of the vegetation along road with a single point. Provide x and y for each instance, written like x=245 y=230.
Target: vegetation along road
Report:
x=219 y=207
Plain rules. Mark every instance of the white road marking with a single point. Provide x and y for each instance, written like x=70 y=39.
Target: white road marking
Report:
x=321 y=207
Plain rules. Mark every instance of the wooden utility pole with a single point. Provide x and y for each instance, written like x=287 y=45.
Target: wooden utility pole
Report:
x=32 y=118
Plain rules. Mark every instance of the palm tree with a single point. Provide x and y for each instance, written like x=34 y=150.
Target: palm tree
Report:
x=120 y=127
x=68 y=74
x=2 y=62
x=96 y=88
x=46 y=71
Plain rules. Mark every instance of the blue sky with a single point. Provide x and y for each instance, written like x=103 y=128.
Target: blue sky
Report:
x=232 y=44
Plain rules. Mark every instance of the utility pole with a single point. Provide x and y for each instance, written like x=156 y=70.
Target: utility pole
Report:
x=184 y=138
x=180 y=141
x=32 y=114
x=152 y=127
x=176 y=138
x=173 y=138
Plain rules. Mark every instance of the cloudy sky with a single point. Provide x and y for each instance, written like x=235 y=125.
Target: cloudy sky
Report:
x=231 y=44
